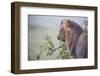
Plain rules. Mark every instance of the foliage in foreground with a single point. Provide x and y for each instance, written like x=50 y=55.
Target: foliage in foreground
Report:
x=49 y=48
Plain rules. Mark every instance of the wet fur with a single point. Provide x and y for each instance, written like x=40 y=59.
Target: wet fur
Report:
x=75 y=38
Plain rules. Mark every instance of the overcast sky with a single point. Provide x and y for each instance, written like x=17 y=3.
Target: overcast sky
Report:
x=52 y=21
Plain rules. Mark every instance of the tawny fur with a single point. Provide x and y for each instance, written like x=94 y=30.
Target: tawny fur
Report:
x=74 y=37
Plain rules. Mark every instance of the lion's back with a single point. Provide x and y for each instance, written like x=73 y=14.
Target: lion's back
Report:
x=81 y=48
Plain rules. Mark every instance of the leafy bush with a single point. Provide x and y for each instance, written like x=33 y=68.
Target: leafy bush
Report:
x=49 y=48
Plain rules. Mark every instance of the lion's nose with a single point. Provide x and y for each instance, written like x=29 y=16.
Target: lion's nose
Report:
x=58 y=37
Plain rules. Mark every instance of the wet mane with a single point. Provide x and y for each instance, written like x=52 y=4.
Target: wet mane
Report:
x=74 y=37
x=76 y=27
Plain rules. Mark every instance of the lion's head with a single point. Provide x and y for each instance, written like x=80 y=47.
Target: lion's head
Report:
x=69 y=31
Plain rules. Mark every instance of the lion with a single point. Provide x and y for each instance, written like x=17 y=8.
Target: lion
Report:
x=74 y=38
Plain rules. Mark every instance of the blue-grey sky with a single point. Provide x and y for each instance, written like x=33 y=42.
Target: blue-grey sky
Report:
x=52 y=21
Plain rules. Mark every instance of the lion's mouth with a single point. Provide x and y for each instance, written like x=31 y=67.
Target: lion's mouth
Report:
x=61 y=39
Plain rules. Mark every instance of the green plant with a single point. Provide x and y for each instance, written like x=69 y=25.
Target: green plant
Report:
x=63 y=52
x=49 y=48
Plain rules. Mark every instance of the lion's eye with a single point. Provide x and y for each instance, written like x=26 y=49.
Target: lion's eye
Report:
x=62 y=30
x=67 y=25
